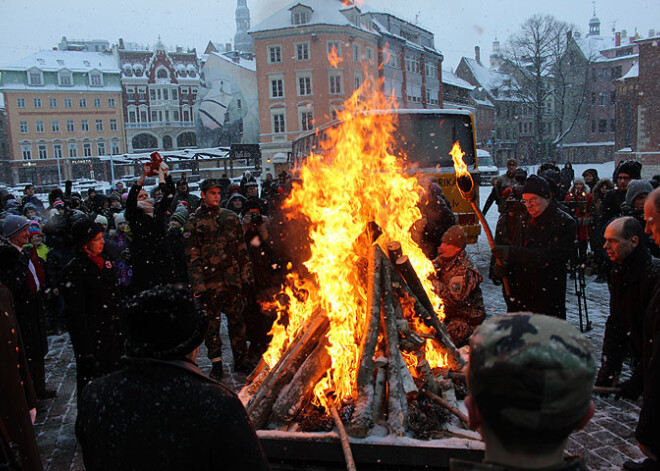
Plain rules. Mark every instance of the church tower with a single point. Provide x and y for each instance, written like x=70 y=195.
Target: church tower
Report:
x=594 y=24
x=242 y=40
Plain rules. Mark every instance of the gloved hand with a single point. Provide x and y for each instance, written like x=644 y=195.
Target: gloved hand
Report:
x=501 y=252
x=629 y=390
x=499 y=270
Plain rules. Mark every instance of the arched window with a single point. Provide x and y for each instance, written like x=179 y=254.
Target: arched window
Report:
x=144 y=141
x=186 y=139
x=161 y=74
x=167 y=142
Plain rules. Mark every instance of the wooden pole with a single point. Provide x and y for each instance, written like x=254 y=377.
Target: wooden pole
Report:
x=343 y=437
x=447 y=406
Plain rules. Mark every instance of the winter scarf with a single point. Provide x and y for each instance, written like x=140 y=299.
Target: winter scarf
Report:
x=147 y=206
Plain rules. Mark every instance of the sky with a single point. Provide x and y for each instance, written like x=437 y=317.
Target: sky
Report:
x=27 y=26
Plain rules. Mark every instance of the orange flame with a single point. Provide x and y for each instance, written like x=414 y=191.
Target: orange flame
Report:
x=457 y=156
x=355 y=182
x=334 y=58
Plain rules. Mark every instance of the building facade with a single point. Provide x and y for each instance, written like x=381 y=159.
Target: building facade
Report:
x=159 y=92
x=64 y=112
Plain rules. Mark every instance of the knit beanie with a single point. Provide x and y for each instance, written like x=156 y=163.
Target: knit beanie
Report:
x=630 y=167
x=179 y=217
x=100 y=219
x=455 y=236
x=537 y=186
x=13 y=224
x=84 y=230
x=637 y=188
x=119 y=218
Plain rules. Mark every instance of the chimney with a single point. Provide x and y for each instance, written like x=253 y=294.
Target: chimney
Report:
x=477 y=54
x=624 y=34
x=617 y=39
x=121 y=43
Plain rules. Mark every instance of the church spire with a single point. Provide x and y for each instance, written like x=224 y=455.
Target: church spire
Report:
x=242 y=40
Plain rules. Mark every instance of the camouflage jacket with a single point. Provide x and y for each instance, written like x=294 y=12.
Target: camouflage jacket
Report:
x=574 y=463
x=457 y=284
x=216 y=252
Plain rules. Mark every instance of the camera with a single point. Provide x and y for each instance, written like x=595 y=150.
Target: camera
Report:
x=256 y=219
x=156 y=160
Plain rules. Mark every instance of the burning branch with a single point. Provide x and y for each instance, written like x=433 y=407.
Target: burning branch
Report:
x=467 y=189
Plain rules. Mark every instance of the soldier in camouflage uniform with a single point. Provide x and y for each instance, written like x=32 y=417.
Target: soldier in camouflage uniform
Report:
x=219 y=271
x=530 y=378
x=457 y=284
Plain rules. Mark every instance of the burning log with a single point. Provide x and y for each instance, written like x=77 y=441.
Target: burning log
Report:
x=394 y=251
x=293 y=395
x=429 y=318
x=397 y=401
x=260 y=404
x=407 y=272
x=343 y=437
x=362 y=420
x=379 y=392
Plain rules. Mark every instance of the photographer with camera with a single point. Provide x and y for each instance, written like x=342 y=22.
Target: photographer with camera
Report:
x=578 y=201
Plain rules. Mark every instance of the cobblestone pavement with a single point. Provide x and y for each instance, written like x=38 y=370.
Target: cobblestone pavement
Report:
x=606 y=442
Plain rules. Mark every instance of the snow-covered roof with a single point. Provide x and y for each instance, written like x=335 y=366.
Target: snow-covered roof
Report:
x=323 y=12
x=249 y=64
x=632 y=73
x=489 y=79
x=450 y=79
x=75 y=61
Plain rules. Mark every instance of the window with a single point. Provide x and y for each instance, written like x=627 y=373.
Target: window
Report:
x=274 y=54
x=358 y=81
x=603 y=98
x=370 y=55
x=335 y=83
x=277 y=88
x=69 y=126
x=55 y=126
x=43 y=151
x=165 y=94
x=154 y=116
x=602 y=126
x=143 y=117
x=193 y=91
x=100 y=148
x=26 y=152
x=111 y=102
x=53 y=102
x=306 y=120
x=84 y=125
x=39 y=125
x=299 y=17
x=613 y=98
x=23 y=126
x=278 y=122
x=174 y=94
x=73 y=150
x=175 y=115
x=113 y=125
x=67 y=103
x=186 y=115
x=152 y=93
x=20 y=102
x=83 y=102
x=304 y=85
x=64 y=78
x=302 y=51
x=142 y=93
x=131 y=116
x=593 y=98
x=356 y=52
x=130 y=94
x=87 y=149
x=336 y=45
x=162 y=73
x=616 y=72
x=239 y=104
x=114 y=148
x=95 y=79
x=57 y=151
x=37 y=102
x=97 y=102
x=184 y=91
x=35 y=77
x=99 y=125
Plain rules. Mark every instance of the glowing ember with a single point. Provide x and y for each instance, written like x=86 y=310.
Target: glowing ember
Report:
x=334 y=58
x=357 y=181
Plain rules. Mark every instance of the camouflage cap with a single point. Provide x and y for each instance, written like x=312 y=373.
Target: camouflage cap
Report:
x=209 y=183
x=531 y=371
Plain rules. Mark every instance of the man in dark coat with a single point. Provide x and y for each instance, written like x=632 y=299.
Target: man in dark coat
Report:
x=536 y=265
x=632 y=282
x=18 y=401
x=624 y=173
x=183 y=194
x=150 y=253
x=24 y=276
x=160 y=411
x=91 y=297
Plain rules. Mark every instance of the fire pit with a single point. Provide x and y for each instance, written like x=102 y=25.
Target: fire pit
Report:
x=359 y=344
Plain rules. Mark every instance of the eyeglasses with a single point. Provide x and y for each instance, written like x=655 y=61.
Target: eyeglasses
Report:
x=534 y=200
x=623 y=177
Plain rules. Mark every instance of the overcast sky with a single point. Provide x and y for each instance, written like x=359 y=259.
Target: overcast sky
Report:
x=27 y=26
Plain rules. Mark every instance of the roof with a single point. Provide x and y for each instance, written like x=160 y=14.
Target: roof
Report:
x=488 y=79
x=75 y=61
x=632 y=73
x=248 y=64
x=326 y=12
x=451 y=79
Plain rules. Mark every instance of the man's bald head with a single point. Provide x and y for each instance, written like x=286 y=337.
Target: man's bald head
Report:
x=622 y=236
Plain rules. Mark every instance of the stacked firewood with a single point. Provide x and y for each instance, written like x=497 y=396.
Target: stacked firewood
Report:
x=396 y=393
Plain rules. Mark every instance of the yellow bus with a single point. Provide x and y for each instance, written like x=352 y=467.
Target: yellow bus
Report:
x=425 y=138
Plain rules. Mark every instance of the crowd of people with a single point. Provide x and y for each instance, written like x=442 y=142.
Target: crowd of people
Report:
x=139 y=279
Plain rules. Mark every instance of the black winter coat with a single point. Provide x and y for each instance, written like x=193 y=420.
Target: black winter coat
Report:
x=164 y=415
x=631 y=287
x=92 y=304
x=30 y=312
x=150 y=253
x=612 y=204
x=536 y=265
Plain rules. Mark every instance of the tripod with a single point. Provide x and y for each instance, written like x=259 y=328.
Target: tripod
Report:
x=576 y=267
